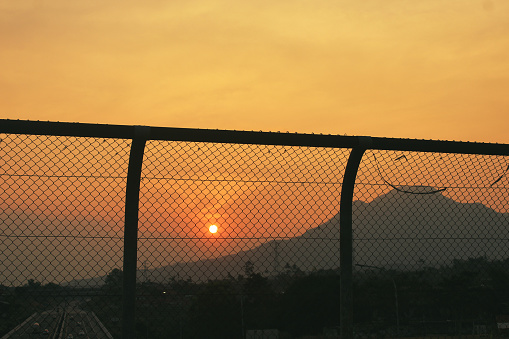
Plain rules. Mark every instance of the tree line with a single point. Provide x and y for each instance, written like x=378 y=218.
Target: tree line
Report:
x=454 y=299
x=450 y=300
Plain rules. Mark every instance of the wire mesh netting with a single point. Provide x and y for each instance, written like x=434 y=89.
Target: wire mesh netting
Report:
x=242 y=241
x=62 y=216
x=267 y=203
x=431 y=248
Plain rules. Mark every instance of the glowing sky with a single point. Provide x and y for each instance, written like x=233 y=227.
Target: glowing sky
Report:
x=428 y=69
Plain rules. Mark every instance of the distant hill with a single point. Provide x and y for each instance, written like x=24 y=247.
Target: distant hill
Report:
x=406 y=228
x=409 y=230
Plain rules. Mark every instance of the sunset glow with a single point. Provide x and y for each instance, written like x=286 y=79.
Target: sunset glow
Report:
x=181 y=164
x=415 y=69
x=429 y=69
x=213 y=229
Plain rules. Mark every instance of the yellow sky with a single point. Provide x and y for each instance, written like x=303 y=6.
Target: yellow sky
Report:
x=430 y=69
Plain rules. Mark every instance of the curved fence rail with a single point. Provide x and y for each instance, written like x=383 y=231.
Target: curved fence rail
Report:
x=189 y=233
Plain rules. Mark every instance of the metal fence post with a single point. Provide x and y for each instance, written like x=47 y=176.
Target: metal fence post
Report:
x=141 y=133
x=346 y=243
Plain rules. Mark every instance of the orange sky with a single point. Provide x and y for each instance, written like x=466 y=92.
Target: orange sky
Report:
x=428 y=69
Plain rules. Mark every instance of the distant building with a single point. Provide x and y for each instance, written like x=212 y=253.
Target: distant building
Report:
x=503 y=323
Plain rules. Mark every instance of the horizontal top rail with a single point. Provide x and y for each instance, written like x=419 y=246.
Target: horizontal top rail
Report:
x=247 y=137
x=416 y=145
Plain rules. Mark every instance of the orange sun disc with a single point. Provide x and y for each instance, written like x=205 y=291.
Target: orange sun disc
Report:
x=213 y=229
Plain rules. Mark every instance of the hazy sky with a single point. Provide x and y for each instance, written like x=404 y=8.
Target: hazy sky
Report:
x=429 y=69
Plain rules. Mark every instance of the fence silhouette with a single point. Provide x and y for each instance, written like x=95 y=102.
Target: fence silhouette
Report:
x=317 y=235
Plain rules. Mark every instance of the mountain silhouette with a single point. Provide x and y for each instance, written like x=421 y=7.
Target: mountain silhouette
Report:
x=404 y=229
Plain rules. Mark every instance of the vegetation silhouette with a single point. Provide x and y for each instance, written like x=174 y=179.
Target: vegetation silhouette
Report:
x=456 y=299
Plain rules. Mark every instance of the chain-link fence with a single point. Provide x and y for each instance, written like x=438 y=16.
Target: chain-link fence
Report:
x=431 y=251
x=237 y=234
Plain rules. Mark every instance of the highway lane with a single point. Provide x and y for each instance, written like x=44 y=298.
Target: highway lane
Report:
x=60 y=323
x=38 y=325
x=83 y=324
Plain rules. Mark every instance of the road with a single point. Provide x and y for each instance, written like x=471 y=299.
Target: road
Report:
x=83 y=324
x=60 y=323
x=36 y=324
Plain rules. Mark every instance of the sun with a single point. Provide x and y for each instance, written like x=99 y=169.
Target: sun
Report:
x=213 y=229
